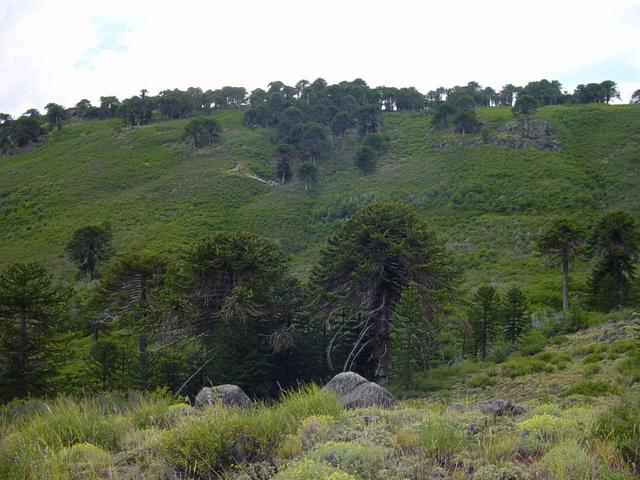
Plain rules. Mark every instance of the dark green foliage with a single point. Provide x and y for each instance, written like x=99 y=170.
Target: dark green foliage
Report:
x=340 y=123
x=32 y=316
x=635 y=97
x=286 y=156
x=132 y=290
x=413 y=337
x=443 y=112
x=19 y=133
x=466 y=121
x=230 y=279
x=484 y=318
x=614 y=244
x=368 y=119
x=89 y=246
x=525 y=105
x=364 y=269
x=308 y=173
x=561 y=243
x=514 y=315
x=377 y=142
x=365 y=159
x=203 y=130
x=55 y=115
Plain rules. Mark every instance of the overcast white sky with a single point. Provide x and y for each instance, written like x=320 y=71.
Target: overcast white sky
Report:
x=63 y=51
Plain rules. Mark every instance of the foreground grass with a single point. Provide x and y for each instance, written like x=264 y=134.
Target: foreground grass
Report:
x=307 y=436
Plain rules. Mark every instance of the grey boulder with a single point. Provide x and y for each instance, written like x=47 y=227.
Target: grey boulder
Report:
x=355 y=391
x=226 y=395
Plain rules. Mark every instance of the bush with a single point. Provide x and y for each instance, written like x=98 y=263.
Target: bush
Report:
x=79 y=462
x=519 y=366
x=481 y=380
x=440 y=378
x=621 y=425
x=629 y=367
x=588 y=348
x=310 y=470
x=623 y=346
x=223 y=437
x=355 y=458
x=567 y=461
x=440 y=439
x=591 y=370
x=591 y=388
x=593 y=357
x=545 y=429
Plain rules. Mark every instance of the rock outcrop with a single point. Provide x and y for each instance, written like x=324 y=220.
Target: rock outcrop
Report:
x=227 y=395
x=494 y=406
x=355 y=391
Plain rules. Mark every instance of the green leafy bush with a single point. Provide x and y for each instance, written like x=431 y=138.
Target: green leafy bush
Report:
x=591 y=388
x=629 y=367
x=519 y=366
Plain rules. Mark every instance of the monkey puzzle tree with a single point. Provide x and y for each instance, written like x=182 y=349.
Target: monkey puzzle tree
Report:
x=55 y=114
x=525 y=105
x=560 y=243
x=614 y=244
x=381 y=250
x=286 y=155
x=514 y=315
x=483 y=317
x=308 y=173
x=365 y=159
x=89 y=246
x=32 y=314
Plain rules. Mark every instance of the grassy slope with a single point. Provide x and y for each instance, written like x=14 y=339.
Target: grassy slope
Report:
x=489 y=201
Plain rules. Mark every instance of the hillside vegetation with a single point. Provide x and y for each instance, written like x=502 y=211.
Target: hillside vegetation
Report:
x=581 y=422
x=489 y=201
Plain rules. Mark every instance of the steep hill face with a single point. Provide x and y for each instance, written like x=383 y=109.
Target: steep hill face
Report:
x=489 y=199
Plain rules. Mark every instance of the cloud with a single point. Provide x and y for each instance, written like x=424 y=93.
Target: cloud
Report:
x=66 y=51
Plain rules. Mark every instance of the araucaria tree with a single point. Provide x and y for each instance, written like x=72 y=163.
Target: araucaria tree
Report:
x=514 y=315
x=525 y=105
x=560 y=243
x=89 y=246
x=483 y=317
x=32 y=314
x=378 y=253
x=614 y=244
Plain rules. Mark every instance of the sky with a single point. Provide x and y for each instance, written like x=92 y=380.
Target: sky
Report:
x=65 y=50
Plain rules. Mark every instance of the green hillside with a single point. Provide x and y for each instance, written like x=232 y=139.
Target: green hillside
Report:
x=489 y=201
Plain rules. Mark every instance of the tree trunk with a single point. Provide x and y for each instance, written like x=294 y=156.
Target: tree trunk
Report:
x=306 y=183
x=22 y=383
x=565 y=284
x=382 y=348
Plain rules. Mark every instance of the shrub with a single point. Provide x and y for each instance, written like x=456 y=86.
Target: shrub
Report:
x=567 y=461
x=440 y=439
x=620 y=424
x=440 y=378
x=593 y=357
x=519 y=366
x=591 y=370
x=78 y=462
x=629 y=367
x=540 y=432
x=311 y=470
x=354 y=458
x=481 y=380
x=591 y=388
x=588 y=348
x=406 y=441
x=223 y=436
x=623 y=346
x=494 y=472
x=554 y=358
